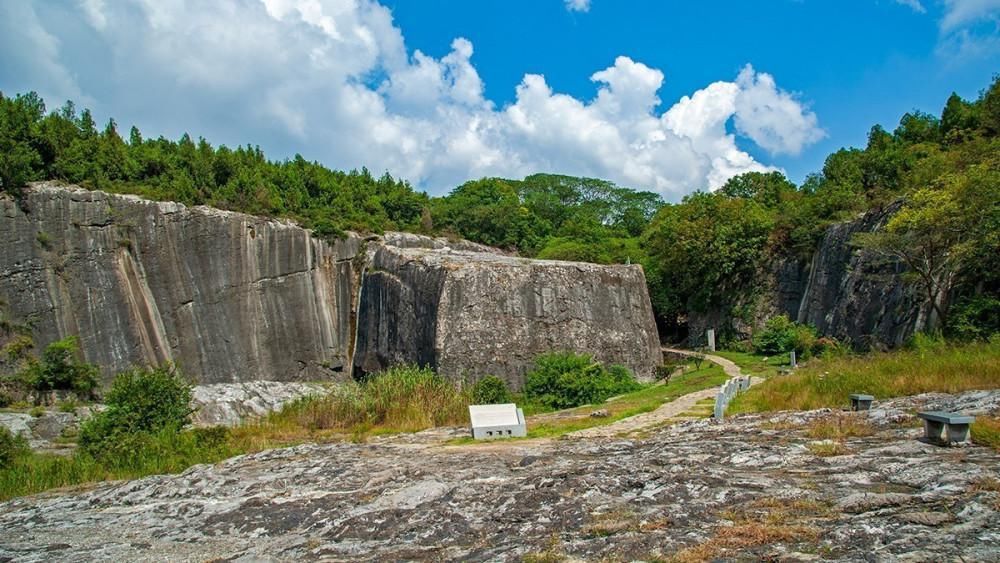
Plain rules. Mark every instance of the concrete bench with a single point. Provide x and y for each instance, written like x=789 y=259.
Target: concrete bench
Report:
x=861 y=402
x=946 y=427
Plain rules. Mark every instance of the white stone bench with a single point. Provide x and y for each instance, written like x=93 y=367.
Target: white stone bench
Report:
x=490 y=422
x=946 y=427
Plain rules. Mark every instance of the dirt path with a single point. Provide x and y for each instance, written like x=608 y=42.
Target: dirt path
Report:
x=731 y=369
x=668 y=410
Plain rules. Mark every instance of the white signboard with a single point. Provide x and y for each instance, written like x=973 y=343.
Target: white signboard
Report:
x=493 y=415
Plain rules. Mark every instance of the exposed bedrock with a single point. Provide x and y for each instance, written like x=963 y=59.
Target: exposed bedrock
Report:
x=234 y=298
x=468 y=314
x=229 y=297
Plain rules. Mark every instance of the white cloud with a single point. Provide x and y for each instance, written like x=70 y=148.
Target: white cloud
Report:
x=962 y=13
x=915 y=5
x=771 y=117
x=970 y=29
x=578 y=5
x=332 y=80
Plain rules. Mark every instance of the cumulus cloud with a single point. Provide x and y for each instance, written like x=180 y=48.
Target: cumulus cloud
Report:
x=578 y=5
x=915 y=5
x=334 y=81
x=970 y=29
x=962 y=13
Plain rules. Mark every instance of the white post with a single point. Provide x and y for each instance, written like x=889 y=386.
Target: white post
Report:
x=719 y=407
x=792 y=359
x=710 y=335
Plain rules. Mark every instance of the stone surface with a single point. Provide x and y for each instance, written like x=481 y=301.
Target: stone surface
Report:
x=228 y=404
x=469 y=314
x=233 y=298
x=229 y=297
x=42 y=432
x=891 y=498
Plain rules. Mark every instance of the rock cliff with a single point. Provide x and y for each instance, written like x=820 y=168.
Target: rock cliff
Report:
x=233 y=297
x=845 y=292
x=474 y=313
x=227 y=296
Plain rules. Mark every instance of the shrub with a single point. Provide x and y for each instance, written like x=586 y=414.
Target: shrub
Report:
x=60 y=370
x=782 y=335
x=491 y=390
x=663 y=372
x=975 y=318
x=564 y=379
x=141 y=401
x=11 y=447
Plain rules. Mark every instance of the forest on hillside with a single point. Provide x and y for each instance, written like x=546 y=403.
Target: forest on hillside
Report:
x=945 y=171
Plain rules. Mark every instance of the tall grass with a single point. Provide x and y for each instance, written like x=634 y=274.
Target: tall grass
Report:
x=986 y=431
x=926 y=367
x=164 y=452
x=401 y=399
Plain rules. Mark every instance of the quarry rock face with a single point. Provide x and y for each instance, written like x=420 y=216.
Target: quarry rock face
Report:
x=845 y=292
x=233 y=298
x=852 y=295
x=229 y=297
x=477 y=313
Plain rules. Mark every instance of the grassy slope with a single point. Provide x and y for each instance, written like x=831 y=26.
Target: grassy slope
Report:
x=829 y=382
x=631 y=404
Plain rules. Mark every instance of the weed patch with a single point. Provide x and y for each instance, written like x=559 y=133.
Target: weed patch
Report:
x=986 y=431
x=838 y=427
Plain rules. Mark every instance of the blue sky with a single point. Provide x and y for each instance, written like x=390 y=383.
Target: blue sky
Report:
x=667 y=96
x=855 y=62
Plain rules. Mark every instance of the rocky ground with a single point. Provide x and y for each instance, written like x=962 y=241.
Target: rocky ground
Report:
x=751 y=488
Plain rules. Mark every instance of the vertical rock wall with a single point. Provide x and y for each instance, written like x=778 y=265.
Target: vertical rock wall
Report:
x=229 y=297
x=480 y=313
x=233 y=298
x=843 y=291
x=855 y=296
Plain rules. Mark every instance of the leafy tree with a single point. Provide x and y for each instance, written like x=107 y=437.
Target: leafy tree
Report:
x=928 y=237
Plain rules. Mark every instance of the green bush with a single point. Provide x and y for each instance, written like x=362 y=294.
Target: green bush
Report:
x=564 y=379
x=60 y=370
x=11 y=447
x=491 y=390
x=782 y=335
x=975 y=318
x=141 y=401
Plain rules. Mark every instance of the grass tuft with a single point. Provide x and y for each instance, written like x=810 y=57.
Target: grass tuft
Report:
x=986 y=431
x=839 y=426
x=828 y=448
x=401 y=399
x=759 y=523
